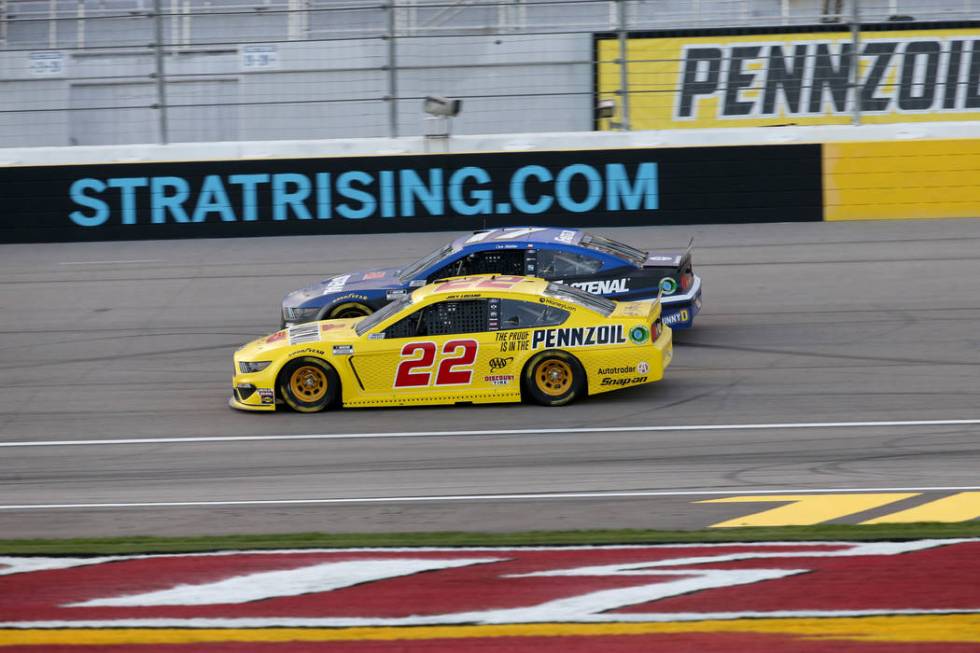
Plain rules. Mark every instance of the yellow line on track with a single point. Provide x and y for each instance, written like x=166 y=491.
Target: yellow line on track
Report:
x=918 y=628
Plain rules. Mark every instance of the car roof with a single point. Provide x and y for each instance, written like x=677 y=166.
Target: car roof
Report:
x=477 y=285
x=541 y=235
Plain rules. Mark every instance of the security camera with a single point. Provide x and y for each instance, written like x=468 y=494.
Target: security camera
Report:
x=436 y=105
x=605 y=109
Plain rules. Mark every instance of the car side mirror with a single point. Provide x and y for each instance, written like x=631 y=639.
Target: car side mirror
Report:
x=513 y=321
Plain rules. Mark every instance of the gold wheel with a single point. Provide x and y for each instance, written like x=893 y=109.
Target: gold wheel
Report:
x=309 y=383
x=553 y=377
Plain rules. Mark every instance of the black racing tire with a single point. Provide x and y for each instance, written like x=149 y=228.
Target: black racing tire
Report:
x=349 y=309
x=553 y=378
x=308 y=384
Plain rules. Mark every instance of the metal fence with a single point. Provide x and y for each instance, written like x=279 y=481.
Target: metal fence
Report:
x=96 y=72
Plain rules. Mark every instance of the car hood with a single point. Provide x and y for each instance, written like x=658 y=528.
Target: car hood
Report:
x=368 y=280
x=312 y=333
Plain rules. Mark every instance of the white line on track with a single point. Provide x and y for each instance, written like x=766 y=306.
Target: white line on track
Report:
x=130 y=261
x=473 y=497
x=533 y=431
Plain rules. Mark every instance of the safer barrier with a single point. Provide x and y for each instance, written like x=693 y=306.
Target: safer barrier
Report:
x=613 y=187
x=639 y=179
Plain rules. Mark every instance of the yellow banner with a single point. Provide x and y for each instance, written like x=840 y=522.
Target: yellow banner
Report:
x=892 y=180
x=794 y=79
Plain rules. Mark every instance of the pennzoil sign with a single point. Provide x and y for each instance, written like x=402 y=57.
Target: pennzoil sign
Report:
x=796 y=78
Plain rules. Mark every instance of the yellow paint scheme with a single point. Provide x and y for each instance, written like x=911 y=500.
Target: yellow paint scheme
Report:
x=901 y=180
x=367 y=364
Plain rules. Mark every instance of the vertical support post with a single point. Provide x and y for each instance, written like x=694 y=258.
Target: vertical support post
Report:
x=392 y=73
x=624 y=93
x=3 y=23
x=160 y=75
x=185 y=23
x=854 y=75
x=175 y=23
x=52 y=24
x=80 y=24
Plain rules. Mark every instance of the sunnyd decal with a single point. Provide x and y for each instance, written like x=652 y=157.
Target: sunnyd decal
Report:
x=578 y=337
x=767 y=79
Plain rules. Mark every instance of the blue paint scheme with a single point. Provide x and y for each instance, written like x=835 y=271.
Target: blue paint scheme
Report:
x=375 y=288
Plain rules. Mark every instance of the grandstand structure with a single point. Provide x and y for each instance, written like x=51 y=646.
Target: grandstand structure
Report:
x=104 y=72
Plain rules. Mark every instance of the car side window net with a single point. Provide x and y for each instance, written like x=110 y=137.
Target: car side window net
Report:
x=515 y=314
x=451 y=317
x=558 y=264
x=503 y=261
x=406 y=327
x=444 y=318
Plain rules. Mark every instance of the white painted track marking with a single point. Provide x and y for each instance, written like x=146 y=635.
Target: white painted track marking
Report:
x=311 y=579
x=464 y=497
x=131 y=261
x=505 y=432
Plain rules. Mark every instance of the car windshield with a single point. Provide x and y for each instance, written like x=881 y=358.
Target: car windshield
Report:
x=580 y=297
x=382 y=314
x=409 y=273
x=609 y=246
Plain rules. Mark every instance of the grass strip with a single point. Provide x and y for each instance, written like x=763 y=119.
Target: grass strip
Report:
x=191 y=544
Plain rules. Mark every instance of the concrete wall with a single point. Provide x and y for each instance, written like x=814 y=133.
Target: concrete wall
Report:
x=560 y=179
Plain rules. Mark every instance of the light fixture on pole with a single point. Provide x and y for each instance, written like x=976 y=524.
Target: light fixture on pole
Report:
x=438 y=124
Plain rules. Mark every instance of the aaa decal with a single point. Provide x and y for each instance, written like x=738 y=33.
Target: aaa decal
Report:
x=500 y=362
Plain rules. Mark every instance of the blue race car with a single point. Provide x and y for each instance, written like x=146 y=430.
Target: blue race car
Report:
x=588 y=261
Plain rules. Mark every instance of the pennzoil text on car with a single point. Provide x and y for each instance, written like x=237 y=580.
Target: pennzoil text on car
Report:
x=578 y=258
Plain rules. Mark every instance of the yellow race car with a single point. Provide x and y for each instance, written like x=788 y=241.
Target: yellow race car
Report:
x=476 y=339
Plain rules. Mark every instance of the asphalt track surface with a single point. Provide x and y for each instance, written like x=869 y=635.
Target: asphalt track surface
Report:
x=803 y=323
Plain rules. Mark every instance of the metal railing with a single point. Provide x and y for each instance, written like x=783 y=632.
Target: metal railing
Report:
x=140 y=71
